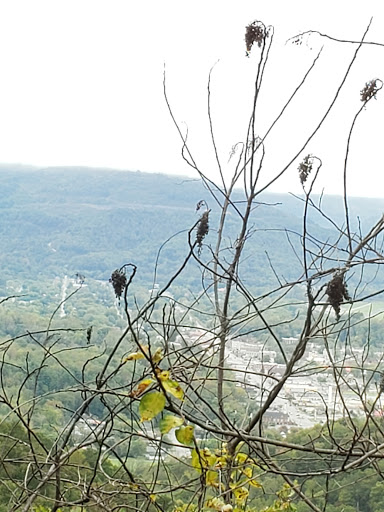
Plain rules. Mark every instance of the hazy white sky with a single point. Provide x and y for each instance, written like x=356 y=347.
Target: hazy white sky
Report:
x=81 y=84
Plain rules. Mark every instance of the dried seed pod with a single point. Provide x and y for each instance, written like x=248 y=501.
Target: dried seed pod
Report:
x=337 y=292
x=202 y=229
x=305 y=168
x=119 y=282
x=200 y=204
x=369 y=91
x=254 y=33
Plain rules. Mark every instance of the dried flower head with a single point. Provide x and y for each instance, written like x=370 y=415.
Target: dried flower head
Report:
x=119 y=282
x=305 y=168
x=254 y=33
x=200 y=204
x=202 y=229
x=337 y=292
x=370 y=90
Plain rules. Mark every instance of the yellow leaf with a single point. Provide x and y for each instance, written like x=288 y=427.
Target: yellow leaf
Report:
x=151 y=405
x=133 y=486
x=134 y=357
x=241 y=494
x=153 y=497
x=142 y=386
x=157 y=356
x=255 y=483
x=241 y=458
x=185 y=435
x=137 y=355
x=209 y=457
x=222 y=451
x=221 y=462
x=203 y=459
x=215 y=503
x=174 y=388
x=162 y=374
x=169 y=422
x=247 y=471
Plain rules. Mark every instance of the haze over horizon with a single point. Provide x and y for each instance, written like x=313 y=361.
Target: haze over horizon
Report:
x=183 y=177
x=83 y=86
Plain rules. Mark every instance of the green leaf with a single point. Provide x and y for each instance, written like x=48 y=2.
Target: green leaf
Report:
x=241 y=458
x=211 y=478
x=169 y=422
x=157 y=356
x=173 y=387
x=151 y=405
x=202 y=459
x=195 y=460
x=185 y=435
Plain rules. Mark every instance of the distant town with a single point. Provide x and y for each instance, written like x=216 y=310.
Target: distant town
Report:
x=311 y=395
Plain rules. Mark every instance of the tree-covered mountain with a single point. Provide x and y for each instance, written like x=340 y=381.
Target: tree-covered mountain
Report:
x=59 y=221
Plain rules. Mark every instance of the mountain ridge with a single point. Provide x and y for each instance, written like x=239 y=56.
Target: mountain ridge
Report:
x=97 y=220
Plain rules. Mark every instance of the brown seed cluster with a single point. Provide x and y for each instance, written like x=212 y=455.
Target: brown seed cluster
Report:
x=305 y=168
x=202 y=229
x=369 y=91
x=337 y=292
x=254 y=33
x=119 y=282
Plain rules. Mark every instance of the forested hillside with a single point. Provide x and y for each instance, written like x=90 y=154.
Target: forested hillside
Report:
x=60 y=221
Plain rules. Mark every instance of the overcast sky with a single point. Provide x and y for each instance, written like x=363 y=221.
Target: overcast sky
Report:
x=81 y=84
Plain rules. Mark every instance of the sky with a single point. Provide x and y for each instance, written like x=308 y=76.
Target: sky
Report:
x=82 y=85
